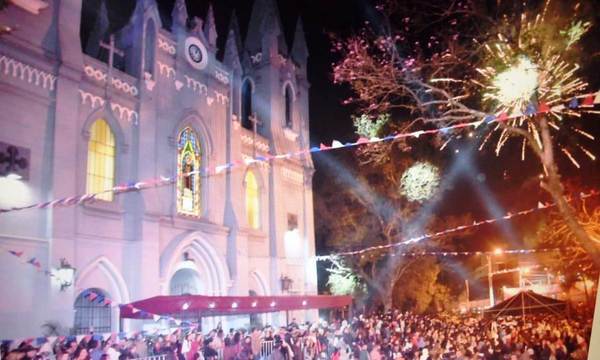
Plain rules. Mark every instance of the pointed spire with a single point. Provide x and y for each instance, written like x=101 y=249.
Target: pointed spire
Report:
x=299 y=48
x=264 y=24
x=180 y=14
x=233 y=46
x=210 y=29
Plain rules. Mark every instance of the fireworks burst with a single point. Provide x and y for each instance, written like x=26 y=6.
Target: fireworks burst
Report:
x=530 y=71
x=420 y=181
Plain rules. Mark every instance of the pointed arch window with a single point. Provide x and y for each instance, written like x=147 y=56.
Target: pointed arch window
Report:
x=252 y=201
x=289 y=101
x=247 y=104
x=188 y=172
x=149 y=47
x=91 y=312
x=101 y=160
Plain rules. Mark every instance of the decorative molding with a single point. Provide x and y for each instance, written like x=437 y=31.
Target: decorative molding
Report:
x=248 y=140
x=117 y=83
x=166 y=70
x=221 y=98
x=96 y=101
x=27 y=73
x=290 y=134
x=256 y=58
x=150 y=83
x=292 y=175
x=166 y=47
x=196 y=85
x=222 y=76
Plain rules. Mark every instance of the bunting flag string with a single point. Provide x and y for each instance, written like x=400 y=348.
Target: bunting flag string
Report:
x=540 y=206
x=474 y=253
x=590 y=99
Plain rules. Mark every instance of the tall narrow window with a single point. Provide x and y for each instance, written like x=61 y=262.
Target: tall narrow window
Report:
x=247 y=104
x=252 y=201
x=149 y=47
x=101 y=160
x=188 y=173
x=289 y=99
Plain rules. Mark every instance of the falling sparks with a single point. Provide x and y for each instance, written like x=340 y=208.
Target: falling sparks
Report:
x=520 y=77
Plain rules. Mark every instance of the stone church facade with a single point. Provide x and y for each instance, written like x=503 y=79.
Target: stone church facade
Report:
x=172 y=104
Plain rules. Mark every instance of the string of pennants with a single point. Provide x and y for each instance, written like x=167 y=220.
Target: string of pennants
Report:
x=472 y=253
x=588 y=100
x=540 y=206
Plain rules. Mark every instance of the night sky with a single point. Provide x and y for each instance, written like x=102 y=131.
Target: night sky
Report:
x=505 y=183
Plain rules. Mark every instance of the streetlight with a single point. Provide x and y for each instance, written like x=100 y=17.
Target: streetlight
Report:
x=497 y=252
x=64 y=274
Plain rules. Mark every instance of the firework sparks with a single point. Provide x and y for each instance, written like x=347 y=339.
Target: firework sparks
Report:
x=522 y=74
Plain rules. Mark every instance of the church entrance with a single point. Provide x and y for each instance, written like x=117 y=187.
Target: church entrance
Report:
x=185 y=282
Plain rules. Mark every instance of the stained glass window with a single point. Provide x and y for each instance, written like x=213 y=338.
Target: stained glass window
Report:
x=188 y=173
x=252 y=201
x=101 y=160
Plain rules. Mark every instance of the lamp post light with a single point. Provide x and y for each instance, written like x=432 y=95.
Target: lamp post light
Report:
x=497 y=252
x=65 y=274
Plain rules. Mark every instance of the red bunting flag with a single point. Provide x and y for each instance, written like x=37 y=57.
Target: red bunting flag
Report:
x=16 y=253
x=92 y=296
x=588 y=101
x=324 y=147
x=543 y=108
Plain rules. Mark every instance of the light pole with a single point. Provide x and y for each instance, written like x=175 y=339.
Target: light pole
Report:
x=497 y=251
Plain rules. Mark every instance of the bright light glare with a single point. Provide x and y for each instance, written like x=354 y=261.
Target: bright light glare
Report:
x=517 y=84
x=185 y=306
x=497 y=251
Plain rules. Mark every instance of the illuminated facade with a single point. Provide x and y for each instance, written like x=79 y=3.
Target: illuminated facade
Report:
x=169 y=106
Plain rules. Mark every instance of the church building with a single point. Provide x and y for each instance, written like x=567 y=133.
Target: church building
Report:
x=87 y=106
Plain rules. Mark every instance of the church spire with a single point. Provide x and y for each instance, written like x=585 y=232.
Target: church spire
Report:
x=210 y=29
x=299 y=48
x=180 y=14
x=265 y=30
x=233 y=45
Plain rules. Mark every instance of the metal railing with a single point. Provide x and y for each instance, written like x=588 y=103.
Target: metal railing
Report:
x=153 y=357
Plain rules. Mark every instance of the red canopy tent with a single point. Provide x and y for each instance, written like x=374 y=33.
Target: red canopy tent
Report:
x=200 y=305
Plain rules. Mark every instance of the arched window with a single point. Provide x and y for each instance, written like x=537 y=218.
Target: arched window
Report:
x=149 y=47
x=252 y=201
x=247 y=104
x=92 y=313
x=185 y=282
x=101 y=160
x=289 y=100
x=188 y=173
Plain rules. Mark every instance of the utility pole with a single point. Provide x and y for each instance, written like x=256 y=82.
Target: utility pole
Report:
x=490 y=281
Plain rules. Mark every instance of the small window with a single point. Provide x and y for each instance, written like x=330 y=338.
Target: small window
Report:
x=149 y=47
x=252 y=201
x=92 y=313
x=247 y=104
x=101 y=160
x=289 y=100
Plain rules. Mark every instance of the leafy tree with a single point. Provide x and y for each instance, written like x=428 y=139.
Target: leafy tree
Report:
x=434 y=64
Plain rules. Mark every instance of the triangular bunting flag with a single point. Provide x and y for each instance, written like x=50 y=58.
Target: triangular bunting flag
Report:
x=156 y=317
x=135 y=310
x=588 y=101
x=540 y=205
x=597 y=99
x=323 y=147
x=374 y=139
x=336 y=144
x=489 y=118
x=530 y=110
x=502 y=116
x=543 y=108
x=92 y=296
x=573 y=103
x=362 y=140
x=16 y=253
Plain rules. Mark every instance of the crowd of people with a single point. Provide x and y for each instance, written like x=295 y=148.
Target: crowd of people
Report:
x=391 y=335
